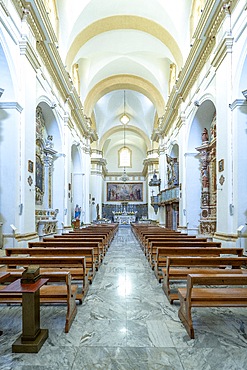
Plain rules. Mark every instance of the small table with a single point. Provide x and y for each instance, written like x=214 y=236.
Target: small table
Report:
x=3 y=276
x=32 y=337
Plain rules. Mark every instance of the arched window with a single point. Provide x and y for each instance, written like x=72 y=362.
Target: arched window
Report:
x=124 y=157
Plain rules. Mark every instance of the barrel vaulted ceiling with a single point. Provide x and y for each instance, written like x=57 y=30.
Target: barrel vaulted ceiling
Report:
x=124 y=45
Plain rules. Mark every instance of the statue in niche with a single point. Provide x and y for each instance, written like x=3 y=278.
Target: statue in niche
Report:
x=172 y=79
x=154 y=180
x=204 y=172
x=40 y=123
x=97 y=211
x=49 y=142
x=77 y=212
x=205 y=135
x=172 y=171
x=76 y=77
x=213 y=128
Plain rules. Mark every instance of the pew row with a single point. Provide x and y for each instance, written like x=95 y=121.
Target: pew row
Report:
x=210 y=290
x=103 y=246
x=58 y=290
x=178 y=268
x=57 y=252
x=189 y=251
x=93 y=260
x=52 y=264
x=176 y=243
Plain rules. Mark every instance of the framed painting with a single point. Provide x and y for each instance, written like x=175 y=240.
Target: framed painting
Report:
x=121 y=191
x=221 y=165
x=30 y=166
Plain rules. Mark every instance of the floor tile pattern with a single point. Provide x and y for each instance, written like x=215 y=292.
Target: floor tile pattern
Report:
x=126 y=323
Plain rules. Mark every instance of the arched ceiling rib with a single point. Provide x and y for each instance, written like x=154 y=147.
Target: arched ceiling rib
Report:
x=124 y=22
x=124 y=82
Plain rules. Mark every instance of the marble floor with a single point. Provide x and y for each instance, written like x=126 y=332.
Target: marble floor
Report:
x=126 y=323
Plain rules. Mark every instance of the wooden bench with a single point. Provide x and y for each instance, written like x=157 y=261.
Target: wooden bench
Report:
x=149 y=238
x=109 y=231
x=211 y=290
x=170 y=242
x=58 y=251
x=59 y=290
x=178 y=268
x=163 y=253
x=153 y=254
x=74 y=244
x=84 y=232
x=75 y=265
x=78 y=238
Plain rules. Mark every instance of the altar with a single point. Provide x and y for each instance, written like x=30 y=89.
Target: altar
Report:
x=124 y=219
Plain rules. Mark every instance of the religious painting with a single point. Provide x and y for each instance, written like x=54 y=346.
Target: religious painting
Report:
x=132 y=192
x=39 y=181
x=30 y=166
x=221 y=165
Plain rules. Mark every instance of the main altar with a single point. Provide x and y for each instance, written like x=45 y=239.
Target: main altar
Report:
x=124 y=219
x=124 y=216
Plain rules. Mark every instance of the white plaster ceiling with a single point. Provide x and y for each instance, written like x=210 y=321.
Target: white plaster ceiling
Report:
x=106 y=52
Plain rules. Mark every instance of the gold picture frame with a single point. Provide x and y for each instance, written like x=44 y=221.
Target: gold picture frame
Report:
x=221 y=165
x=30 y=166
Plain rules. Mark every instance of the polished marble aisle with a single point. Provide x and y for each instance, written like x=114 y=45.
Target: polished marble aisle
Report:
x=126 y=323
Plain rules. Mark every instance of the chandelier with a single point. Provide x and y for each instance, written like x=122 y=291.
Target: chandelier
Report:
x=124 y=119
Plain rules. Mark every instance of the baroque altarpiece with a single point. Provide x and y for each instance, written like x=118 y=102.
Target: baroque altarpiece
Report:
x=45 y=156
x=207 y=153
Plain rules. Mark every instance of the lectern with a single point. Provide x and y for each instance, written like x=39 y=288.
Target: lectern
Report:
x=32 y=337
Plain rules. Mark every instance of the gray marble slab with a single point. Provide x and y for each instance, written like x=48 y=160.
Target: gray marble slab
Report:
x=126 y=322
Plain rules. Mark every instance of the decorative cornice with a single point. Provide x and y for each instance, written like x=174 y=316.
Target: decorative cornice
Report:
x=224 y=48
x=98 y=161
x=4 y=8
x=238 y=103
x=11 y=105
x=226 y=237
x=28 y=236
x=204 y=42
x=34 y=13
x=27 y=50
x=162 y=149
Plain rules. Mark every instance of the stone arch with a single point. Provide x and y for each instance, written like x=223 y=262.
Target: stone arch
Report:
x=198 y=166
x=124 y=22
x=124 y=82
x=130 y=128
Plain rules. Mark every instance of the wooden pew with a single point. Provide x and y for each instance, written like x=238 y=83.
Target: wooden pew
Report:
x=149 y=238
x=72 y=243
x=77 y=238
x=195 y=243
x=75 y=265
x=58 y=251
x=210 y=290
x=62 y=293
x=170 y=242
x=107 y=235
x=160 y=232
x=178 y=268
x=141 y=230
x=163 y=253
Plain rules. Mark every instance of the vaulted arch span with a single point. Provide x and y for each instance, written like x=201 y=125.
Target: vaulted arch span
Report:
x=124 y=22
x=124 y=82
